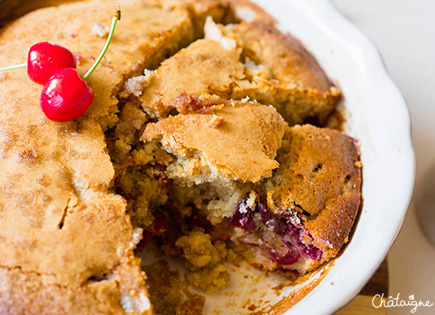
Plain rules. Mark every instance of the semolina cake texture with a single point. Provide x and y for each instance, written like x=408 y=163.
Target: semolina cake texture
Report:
x=207 y=139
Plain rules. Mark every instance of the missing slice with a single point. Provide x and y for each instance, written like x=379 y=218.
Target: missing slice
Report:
x=272 y=193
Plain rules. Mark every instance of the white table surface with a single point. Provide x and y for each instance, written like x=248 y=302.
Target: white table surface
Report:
x=404 y=32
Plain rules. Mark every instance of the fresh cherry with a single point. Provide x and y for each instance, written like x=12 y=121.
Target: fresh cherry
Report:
x=66 y=96
x=45 y=59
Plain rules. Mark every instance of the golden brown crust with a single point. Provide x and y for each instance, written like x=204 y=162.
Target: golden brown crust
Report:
x=298 y=86
x=243 y=148
x=11 y=10
x=288 y=60
x=321 y=166
x=20 y=293
x=331 y=229
x=322 y=178
x=200 y=10
x=202 y=68
x=57 y=217
x=222 y=11
x=245 y=10
x=32 y=293
x=252 y=59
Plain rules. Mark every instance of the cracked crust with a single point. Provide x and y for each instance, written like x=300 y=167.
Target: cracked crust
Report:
x=321 y=176
x=287 y=59
x=212 y=70
x=297 y=85
x=247 y=59
x=245 y=10
x=21 y=293
x=55 y=177
x=244 y=149
x=222 y=11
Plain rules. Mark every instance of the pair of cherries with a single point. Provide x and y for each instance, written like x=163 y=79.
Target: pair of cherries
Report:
x=65 y=95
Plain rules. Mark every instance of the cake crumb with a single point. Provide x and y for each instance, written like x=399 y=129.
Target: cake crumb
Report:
x=245 y=14
x=245 y=99
x=334 y=91
x=253 y=70
x=204 y=261
x=169 y=294
x=132 y=304
x=135 y=85
x=137 y=235
x=210 y=279
x=216 y=121
x=100 y=30
x=212 y=32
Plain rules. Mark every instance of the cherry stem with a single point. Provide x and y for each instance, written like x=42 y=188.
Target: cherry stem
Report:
x=115 y=19
x=23 y=65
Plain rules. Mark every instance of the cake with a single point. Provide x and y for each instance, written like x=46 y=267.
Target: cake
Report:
x=207 y=138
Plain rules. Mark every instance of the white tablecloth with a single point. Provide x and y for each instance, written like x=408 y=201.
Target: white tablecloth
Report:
x=404 y=32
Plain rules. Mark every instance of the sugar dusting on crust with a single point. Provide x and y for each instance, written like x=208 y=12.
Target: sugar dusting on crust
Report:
x=212 y=32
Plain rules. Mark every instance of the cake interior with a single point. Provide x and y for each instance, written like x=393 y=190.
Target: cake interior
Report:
x=195 y=212
x=205 y=217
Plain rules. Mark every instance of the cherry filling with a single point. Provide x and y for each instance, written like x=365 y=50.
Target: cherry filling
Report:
x=157 y=227
x=281 y=239
x=243 y=216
